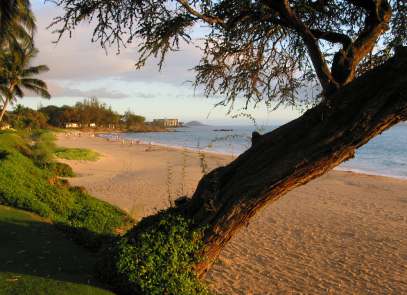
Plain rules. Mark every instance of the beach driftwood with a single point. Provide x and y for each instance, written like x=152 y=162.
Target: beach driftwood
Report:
x=292 y=155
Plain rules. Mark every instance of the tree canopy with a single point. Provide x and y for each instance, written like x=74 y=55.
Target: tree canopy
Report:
x=91 y=111
x=275 y=51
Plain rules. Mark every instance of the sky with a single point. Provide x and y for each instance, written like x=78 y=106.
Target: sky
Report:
x=80 y=69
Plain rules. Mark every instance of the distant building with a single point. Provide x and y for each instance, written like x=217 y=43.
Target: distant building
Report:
x=166 y=122
x=72 y=125
x=92 y=125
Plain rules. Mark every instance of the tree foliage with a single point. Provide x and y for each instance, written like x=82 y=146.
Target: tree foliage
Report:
x=276 y=51
x=131 y=119
x=23 y=117
x=90 y=111
x=17 y=22
x=17 y=74
x=86 y=112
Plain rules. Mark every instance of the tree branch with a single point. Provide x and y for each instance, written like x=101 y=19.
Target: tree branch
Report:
x=378 y=14
x=328 y=84
x=333 y=37
x=365 y=4
x=213 y=20
x=376 y=23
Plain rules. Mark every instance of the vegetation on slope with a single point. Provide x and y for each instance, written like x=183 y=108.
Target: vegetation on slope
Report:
x=29 y=181
x=38 y=259
x=77 y=154
x=155 y=257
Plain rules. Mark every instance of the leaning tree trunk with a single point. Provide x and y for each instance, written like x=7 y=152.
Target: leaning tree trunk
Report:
x=4 y=109
x=298 y=152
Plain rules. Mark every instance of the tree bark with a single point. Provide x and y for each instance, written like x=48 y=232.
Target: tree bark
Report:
x=3 y=111
x=296 y=153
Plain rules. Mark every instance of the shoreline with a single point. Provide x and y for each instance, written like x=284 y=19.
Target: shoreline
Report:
x=163 y=145
x=369 y=173
x=204 y=151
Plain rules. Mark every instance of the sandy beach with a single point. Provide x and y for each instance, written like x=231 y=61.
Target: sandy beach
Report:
x=344 y=233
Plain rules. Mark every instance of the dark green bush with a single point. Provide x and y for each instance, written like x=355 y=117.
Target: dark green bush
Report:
x=155 y=257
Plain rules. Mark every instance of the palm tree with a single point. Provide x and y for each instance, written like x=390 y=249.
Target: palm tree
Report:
x=16 y=74
x=17 y=22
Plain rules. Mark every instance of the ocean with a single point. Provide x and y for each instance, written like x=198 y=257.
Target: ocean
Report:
x=384 y=155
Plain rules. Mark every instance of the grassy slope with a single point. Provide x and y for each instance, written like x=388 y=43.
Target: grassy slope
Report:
x=77 y=154
x=37 y=259
x=26 y=185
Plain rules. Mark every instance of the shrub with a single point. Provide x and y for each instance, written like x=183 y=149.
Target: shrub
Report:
x=155 y=257
x=60 y=169
x=43 y=147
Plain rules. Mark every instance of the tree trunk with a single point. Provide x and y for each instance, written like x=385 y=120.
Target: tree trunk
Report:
x=3 y=111
x=298 y=152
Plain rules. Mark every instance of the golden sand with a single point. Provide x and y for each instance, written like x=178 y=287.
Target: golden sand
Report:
x=344 y=233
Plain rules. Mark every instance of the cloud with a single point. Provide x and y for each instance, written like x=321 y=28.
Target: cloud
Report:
x=75 y=58
x=78 y=59
x=56 y=90
x=98 y=92
x=140 y=94
x=177 y=68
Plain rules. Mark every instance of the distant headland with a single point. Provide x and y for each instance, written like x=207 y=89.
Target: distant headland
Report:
x=194 y=124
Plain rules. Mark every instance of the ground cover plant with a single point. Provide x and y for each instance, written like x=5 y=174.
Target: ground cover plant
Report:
x=155 y=257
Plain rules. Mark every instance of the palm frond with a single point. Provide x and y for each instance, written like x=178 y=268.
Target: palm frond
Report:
x=26 y=17
x=34 y=82
x=8 y=10
x=17 y=26
x=18 y=92
x=43 y=92
x=35 y=70
x=20 y=33
x=17 y=21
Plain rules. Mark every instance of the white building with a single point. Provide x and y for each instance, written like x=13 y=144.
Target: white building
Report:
x=72 y=125
x=166 y=122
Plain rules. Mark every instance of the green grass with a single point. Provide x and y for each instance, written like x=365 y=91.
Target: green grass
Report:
x=77 y=154
x=35 y=258
x=26 y=182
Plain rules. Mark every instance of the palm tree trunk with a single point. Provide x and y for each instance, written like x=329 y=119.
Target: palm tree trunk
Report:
x=3 y=111
x=296 y=153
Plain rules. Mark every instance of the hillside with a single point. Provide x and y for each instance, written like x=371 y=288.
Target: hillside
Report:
x=194 y=124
